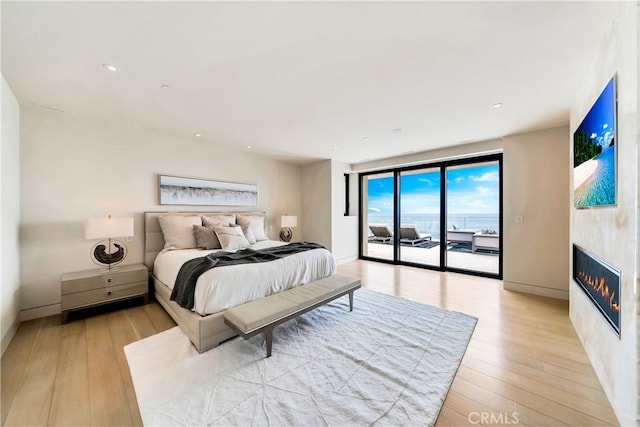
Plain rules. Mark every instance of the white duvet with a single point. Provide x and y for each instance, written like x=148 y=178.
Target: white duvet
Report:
x=223 y=287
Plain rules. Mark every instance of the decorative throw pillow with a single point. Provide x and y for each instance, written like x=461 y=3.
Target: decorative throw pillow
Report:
x=248 y=233
x=231 y=238
x=218 y=220
x=178 y=231
x=206 y=237
x=255 y=222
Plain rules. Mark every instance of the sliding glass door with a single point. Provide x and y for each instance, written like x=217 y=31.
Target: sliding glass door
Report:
x=473 y=217
x=420 y=216
x=377 y=223
x=445 y=216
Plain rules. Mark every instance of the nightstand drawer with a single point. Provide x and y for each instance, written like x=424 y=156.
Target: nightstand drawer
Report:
x=77 y=282
x=106 y=294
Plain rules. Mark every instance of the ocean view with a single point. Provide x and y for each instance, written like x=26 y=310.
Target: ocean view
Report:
x=430 y=223
x=600 y=188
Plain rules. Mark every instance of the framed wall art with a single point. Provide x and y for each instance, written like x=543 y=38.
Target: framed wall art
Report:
x=175 y=190
x=594 y=153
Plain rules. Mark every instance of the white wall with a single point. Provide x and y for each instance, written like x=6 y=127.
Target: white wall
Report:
x=535 y=179
x=344 y=232
x=612 y=233
x=9 y=214
x=74 y=168
x=316 y=203
x=323 y=209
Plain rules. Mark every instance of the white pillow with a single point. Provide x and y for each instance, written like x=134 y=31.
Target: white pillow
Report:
x=178 y=231
x=231 y=238
x=218 y=220
x=255 y=223
x=248 y=233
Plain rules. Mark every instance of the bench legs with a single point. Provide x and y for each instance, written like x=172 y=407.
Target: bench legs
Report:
x=268 y=336
x=268 y=331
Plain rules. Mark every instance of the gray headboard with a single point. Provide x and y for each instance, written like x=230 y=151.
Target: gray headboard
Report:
x=154 y=239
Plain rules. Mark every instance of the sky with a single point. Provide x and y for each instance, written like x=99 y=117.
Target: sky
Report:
x=599 y=123
x=470 y=190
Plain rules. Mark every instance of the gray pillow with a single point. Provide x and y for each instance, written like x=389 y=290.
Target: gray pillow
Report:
x=206 y=237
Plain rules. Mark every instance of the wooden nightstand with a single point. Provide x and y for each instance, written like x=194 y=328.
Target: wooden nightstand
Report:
x=82 y=289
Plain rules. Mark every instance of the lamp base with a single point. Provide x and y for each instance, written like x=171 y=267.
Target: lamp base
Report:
x=109 y=253
x=286 y=234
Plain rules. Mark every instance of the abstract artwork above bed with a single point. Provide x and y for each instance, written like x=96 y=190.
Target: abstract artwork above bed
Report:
x=175 y=190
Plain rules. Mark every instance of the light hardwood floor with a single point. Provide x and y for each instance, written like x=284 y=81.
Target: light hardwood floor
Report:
x=524 y=364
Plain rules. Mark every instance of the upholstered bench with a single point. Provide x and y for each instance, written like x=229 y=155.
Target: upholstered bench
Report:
x=264 y=314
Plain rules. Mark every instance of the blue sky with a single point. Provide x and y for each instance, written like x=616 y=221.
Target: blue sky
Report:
x=599 y=122
x=470 y=190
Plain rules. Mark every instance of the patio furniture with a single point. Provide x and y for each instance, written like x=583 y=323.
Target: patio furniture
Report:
x=409 y=235
x=381 y=233
x=485 y=241
x=460 y=236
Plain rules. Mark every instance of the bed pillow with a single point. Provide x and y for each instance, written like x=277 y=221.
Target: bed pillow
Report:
x=178 y=231
x=206 y=237
x=248 y=233
x=218 y=220
x=231 y=238
x=255 y=223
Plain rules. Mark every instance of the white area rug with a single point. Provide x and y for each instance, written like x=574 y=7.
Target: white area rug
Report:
x=388 y=362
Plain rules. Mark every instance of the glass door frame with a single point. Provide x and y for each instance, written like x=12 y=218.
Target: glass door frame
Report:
x=443 y=165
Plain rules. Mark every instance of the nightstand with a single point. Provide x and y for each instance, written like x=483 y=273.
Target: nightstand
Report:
x=82 y=289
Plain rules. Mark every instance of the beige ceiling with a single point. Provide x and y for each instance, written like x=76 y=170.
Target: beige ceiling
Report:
x=308 y=80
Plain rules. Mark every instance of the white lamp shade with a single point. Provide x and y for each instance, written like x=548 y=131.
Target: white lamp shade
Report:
x=105 y=228
x=288 y=221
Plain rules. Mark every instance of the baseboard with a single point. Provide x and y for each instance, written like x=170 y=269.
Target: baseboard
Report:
x=38 y=312
x=6 y=340
x=347 y=259
x=536 y=290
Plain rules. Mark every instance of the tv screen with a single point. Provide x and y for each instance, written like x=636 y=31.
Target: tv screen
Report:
x=594 y=153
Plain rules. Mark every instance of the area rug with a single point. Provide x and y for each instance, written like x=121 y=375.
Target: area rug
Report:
x=388 y=362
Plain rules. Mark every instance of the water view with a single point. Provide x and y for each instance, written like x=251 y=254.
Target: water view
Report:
x=472 y=194
x=430 y=223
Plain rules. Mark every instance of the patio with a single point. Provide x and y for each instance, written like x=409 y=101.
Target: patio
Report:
x=457 y=256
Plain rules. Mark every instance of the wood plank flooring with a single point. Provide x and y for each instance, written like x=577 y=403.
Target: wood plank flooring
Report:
x=524 y=364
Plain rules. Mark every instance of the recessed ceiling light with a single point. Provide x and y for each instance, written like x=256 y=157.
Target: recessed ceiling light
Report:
x=335 y=147
x=197 y=135
x=396 y=130
x=497 y=105
x=109 y=67
x=366 y=138
x=165 y=86
x=248 y=147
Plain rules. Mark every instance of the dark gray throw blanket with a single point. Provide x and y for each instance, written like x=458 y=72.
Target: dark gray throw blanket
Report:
x=184 y=289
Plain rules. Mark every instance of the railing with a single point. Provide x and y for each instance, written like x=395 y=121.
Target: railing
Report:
x=430 y=223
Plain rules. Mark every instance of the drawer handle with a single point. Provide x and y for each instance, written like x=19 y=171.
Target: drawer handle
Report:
x=110 y=280
x=108 y=293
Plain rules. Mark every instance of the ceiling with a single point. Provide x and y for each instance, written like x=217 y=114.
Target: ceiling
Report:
x=301 y=81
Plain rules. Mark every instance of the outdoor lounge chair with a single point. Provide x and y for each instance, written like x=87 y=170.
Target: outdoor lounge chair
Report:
x=409 y=235
x=381 y=233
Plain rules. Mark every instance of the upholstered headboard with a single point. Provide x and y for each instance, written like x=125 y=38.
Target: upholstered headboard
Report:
x=154 y=239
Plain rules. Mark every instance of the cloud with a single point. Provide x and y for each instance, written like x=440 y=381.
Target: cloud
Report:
x=375 y=209
x=487 y=176
x=483 y=190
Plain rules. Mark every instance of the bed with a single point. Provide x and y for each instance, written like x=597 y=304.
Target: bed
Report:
x=204 y=324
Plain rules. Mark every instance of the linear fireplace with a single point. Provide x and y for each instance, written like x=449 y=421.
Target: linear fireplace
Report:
x=601 y=282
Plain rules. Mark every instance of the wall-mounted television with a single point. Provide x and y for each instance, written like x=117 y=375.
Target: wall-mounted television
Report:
x=594 y=153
